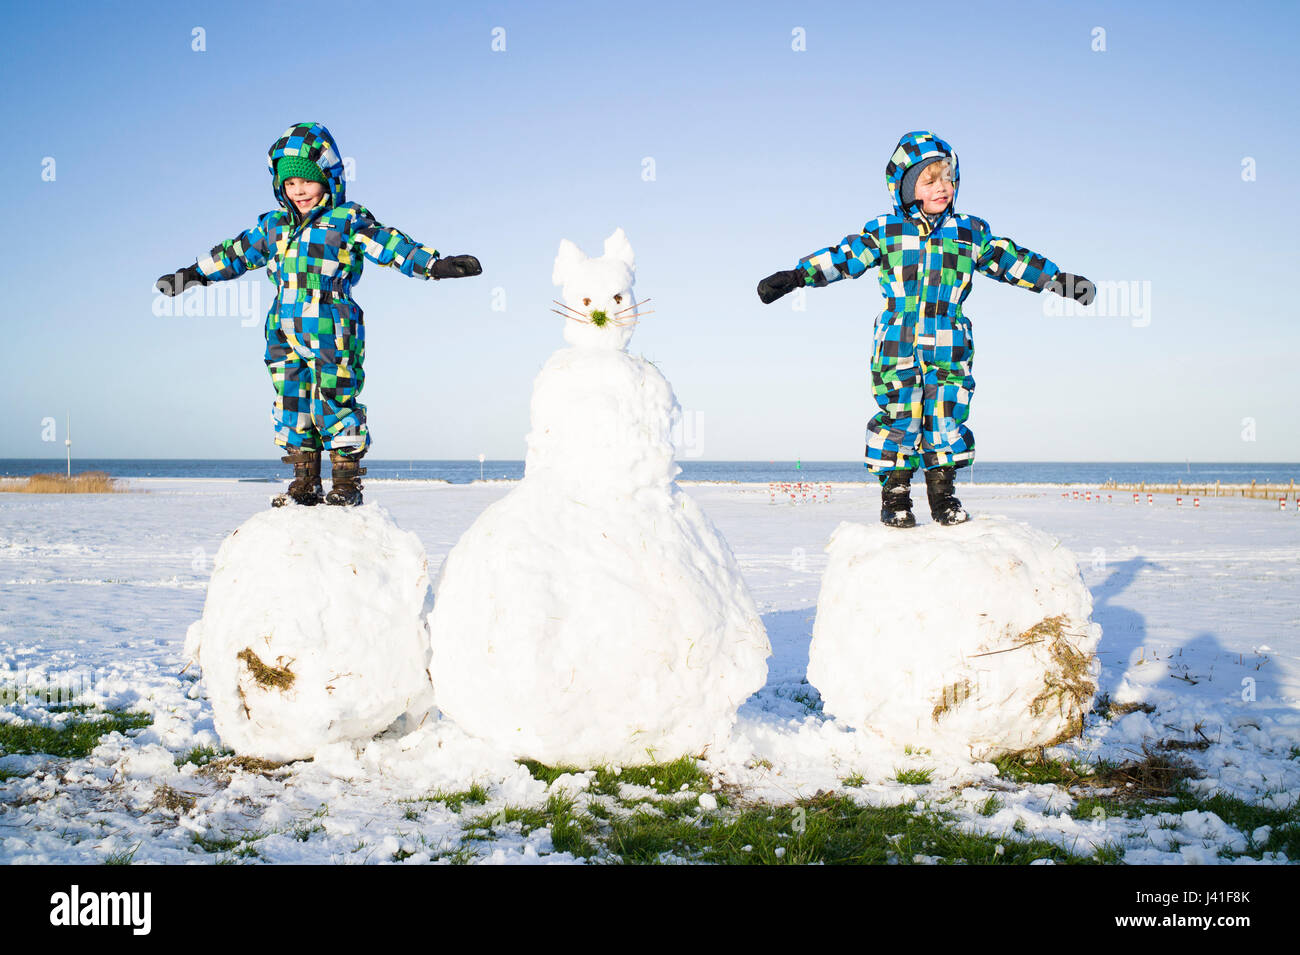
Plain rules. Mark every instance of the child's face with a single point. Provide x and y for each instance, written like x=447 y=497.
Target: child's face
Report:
x=934 y=191
x=303 y=193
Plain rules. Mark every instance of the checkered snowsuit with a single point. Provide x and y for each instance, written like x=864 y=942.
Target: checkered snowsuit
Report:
x=315 y=339
x=921 y=360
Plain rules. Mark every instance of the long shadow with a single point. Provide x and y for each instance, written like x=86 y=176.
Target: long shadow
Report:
x=1201 y=661
x=1123 y=630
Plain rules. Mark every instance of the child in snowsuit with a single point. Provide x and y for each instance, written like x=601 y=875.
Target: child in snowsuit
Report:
x=314 y=247
x=921 y=360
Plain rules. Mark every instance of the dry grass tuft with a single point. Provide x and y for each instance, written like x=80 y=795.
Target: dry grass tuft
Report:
x=87 y=482
x=1155 y=774
x=279 y=677
x=165 y=797
x=223 y=769
x=1070 y=687
x=954 y=694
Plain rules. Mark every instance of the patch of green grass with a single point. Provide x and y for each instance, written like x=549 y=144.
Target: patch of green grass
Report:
x=455 y=801
x=1295 y=752
x=462 y=856
x=222 y=843
x=569 y=830
x=202 y=755
x=547 y=774
x=990 y=806
x=124 y=857
x=76 y=738
x=1109 y=854
x=1101 y=807
x=1022 y=769
x=913 y=777
x=482 y=827
x=1245 y=817
x=825 y=829
x=854 y=780
x=663 y=778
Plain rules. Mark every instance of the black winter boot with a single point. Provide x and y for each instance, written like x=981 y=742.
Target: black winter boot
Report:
x=345 y=473
x=944 y=506
x=896 y=499
x=305 y=488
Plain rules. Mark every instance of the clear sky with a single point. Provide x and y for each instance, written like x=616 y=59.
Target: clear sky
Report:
x=1124 y=164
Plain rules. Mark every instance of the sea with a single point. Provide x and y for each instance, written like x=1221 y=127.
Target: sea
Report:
x=757 y=472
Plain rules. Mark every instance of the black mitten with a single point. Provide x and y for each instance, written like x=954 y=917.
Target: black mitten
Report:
x=780 y=283
x=456 y=267
x=176 y=282
x=1076 y=287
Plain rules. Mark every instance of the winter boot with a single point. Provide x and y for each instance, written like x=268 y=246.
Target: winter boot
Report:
x=305 y=488
x=345 y=472
x=944 y=506
x=896 y=499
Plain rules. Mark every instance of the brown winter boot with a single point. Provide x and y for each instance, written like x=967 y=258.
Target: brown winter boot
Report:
x=345 y=473
x=305 y=488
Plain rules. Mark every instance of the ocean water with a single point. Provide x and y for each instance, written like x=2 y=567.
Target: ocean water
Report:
x=761 y=472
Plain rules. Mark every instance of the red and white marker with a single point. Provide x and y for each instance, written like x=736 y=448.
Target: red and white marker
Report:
x=1196 y=502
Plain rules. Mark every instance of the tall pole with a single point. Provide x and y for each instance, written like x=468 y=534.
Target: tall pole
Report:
x=481 y=459
x=67 y=443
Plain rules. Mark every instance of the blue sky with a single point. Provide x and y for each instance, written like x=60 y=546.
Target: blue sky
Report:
x=1124 y=165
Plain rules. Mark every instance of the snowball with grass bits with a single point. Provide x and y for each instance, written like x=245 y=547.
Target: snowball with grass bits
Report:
x=594 y=614
x=314 y=630
x=972 y=639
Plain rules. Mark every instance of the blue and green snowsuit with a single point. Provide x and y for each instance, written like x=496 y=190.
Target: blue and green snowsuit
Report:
x=315 y=338
x=921 y=360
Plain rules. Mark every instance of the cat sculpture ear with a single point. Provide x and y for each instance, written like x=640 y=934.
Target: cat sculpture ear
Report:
x=618 y=247
x=569 y=256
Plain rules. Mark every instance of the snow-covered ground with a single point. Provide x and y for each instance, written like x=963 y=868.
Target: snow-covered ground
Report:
x=1199 y=609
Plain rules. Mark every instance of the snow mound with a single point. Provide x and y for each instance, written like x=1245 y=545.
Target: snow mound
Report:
x=595 y=614
x=974 y=638
x=313 y=631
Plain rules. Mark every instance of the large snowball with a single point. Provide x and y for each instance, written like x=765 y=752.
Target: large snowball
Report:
x=973 y=638
x=594 y=614
x=592 y=632
x=314 y=630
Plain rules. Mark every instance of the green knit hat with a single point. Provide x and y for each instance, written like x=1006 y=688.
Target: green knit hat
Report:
x=300 y=167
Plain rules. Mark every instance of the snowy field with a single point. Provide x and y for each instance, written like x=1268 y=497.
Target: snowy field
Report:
x=1199 y=608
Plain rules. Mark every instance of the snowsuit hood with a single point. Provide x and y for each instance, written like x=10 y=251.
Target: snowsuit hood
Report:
x=911 y=149
x=310 y=141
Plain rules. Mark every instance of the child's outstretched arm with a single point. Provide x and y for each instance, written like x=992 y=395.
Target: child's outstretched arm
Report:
x=385 y=245
x=849 y=258
x=229 y=260
x=1000 y=258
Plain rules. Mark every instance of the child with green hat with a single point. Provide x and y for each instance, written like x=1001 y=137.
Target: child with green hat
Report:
x=314 y=246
